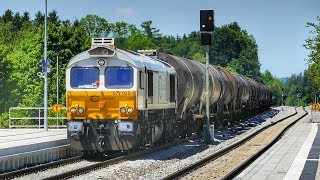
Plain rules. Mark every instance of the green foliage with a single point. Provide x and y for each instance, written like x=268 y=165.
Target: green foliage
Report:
x=274 y=84
x=235 y=48
x=4 y=120
x=95 y=26
x=298 y=90
x=22 y=45
x=137 y=41
x=150 y=31
x=7 y=44
x=198 y=57
x=25 y=59
x=313 y=45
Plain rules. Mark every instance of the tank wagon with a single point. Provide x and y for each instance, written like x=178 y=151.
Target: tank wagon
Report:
x=119 y=100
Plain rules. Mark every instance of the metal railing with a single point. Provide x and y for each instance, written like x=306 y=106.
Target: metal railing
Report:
x=17 y=114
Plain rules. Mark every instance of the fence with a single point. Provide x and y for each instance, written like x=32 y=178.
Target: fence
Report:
x=19 y=117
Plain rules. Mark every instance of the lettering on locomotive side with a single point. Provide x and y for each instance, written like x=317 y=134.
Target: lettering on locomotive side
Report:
x=122 y=93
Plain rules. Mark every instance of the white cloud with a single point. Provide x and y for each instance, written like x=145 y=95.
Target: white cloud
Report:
x=126 y=12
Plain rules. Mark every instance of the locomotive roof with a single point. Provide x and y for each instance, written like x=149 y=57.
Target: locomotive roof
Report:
x=138 y=60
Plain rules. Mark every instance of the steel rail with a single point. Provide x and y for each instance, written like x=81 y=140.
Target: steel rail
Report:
x=21 y=172
x=246 y=163
x=222 y=152
x=102 y=164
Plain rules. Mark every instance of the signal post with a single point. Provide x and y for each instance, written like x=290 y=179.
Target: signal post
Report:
x=206 y=30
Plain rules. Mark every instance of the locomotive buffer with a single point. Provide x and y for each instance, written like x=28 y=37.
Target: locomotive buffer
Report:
x=206 y=29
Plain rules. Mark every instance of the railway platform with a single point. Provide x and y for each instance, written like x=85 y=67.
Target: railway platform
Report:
x=294 y=156
x=25 y=147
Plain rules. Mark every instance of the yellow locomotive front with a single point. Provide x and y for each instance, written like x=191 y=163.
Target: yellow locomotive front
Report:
x=102 y=99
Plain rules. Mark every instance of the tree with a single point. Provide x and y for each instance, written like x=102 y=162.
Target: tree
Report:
x=299 y=90
x=235 y=48
x=26 y=17
x=8 y=16
x=39 y=20
x=7 y=44
x=138 y=42
x=120 y=29
x=150 y=31
x=53 y=17
x=274 y=84
x=95 y=26
x=17 y=21
x=120 y=32
x=313 y=45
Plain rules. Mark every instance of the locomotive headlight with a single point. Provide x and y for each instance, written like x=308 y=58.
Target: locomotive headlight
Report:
x=130 y=109
x=80 y=110
x=101 y=62
x=73 y=110
x=122 y=110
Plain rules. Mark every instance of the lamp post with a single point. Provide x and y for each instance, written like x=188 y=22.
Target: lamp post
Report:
x=282 y=99
x=45 y=73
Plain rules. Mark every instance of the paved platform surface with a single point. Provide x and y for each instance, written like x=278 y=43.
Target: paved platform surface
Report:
x=294 y=156
x=14 y=141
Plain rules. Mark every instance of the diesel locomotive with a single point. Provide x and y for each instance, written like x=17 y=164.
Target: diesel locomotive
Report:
x=119 y=100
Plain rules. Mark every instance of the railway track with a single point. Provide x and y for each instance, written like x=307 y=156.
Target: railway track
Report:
x=42 y=167
x=102 y=164
x=230 y=161
x=136 y=158
x=91 y=166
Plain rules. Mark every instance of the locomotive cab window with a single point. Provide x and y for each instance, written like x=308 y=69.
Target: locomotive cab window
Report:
x=84 y=77
x=119 y=77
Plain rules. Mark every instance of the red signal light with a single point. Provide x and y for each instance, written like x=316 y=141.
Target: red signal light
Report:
x=206 y=21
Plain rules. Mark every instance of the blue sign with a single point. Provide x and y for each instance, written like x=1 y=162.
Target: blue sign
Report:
x=45 y=65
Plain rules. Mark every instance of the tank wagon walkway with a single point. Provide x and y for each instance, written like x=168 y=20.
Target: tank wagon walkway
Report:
x=294 y=156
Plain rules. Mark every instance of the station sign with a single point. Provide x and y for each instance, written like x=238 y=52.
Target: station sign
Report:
x=56 y=108
x=315 y=106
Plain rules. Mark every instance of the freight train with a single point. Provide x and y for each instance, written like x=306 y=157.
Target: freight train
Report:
x=119 y=100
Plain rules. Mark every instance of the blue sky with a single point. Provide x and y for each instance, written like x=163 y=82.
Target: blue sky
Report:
x=277 y=25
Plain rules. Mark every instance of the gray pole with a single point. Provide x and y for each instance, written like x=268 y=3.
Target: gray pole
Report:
x=57 y=88
x=282 y=101
x=45 y=73
x=208 y=137
x=57 y=79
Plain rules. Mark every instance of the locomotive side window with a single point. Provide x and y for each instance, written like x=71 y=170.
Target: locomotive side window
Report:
x=84 y=77
x=118 y=77
x=172 y=86
x=150 y=84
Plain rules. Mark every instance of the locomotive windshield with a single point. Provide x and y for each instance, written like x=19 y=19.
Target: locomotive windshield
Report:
x=85 y=77
x=119 y=77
